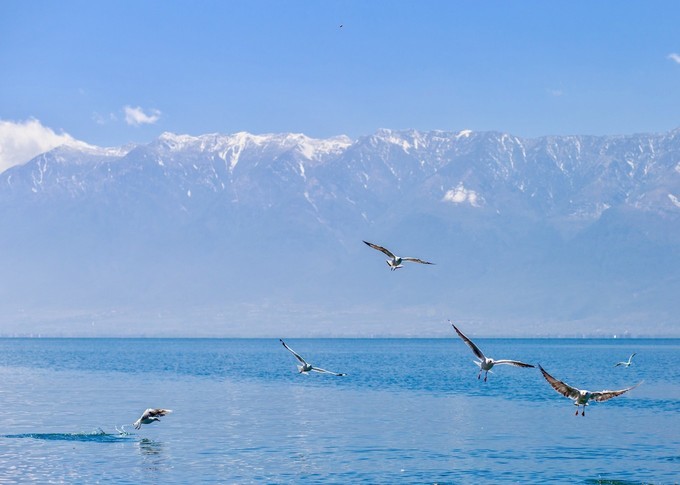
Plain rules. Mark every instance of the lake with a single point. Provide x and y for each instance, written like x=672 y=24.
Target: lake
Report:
x=408 y=411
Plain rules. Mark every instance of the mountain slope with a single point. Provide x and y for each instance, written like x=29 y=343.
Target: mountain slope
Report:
x=261 y=234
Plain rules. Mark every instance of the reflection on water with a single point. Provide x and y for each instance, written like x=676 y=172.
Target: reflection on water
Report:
x=150 y=447
x=153 y=454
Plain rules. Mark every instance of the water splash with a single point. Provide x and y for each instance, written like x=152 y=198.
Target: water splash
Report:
x=97 y=436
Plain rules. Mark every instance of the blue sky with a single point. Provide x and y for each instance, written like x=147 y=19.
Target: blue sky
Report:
x=114 y=72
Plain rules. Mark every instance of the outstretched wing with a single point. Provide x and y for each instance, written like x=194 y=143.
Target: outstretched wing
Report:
x=605 y=395
x=630 y=360
x=381 y=249
x=469 y=343
x=324 y=371
x=297 y=356
x=416 y=260
x=561 y=387
x=155 y=413
x=516 y=363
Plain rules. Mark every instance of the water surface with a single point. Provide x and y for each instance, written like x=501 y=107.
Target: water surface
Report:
x=409 y=411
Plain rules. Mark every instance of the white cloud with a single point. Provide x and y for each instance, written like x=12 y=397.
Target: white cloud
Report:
x=137 y=116
x=461 y=195
x=21 y=141
x=674 y=57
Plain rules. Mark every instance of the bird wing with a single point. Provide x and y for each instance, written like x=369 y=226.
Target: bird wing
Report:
x=605 y=395
x=416 y=260
x=469 y=343
x=561 y=387
x=516 y=363
x=630 y=359
x=297 y=356
x=146 y=414
x=154 y=413
x=324 y=371
x=380 y=248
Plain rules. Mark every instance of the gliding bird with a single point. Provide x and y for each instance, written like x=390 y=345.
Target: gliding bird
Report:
x=307 y=367
x=581 y=396
x=151 y=415
x=395 y=261
x=486 y=363
x=627 y=364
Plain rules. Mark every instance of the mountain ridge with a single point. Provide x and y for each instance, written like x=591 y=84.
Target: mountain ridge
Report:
x=585 y=229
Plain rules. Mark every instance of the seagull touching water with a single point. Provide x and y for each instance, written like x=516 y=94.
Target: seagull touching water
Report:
x=581 y=396
x=486 y=363
x=151 y=415
x=626 y=364
x=307 y=367
x=395 y=261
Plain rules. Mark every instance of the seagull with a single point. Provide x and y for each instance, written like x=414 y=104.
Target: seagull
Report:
x=627 y=364
x=395 y=261
x=151 y=415
x=486 y=363
x=581 y=397
x=307 y=367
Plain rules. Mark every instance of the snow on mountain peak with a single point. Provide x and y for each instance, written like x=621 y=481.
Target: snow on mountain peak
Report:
x=230 y=147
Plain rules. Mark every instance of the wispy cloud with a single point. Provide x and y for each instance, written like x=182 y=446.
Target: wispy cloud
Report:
x=23 y=140
x=674 y=57
x=555 y=92
x=136 y=116
x=101 y=119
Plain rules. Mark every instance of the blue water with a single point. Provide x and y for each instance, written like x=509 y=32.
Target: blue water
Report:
x=409 y=411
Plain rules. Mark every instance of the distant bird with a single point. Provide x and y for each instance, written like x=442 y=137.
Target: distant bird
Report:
x=627 y=364
x=486 y=363
x=395 y=261
x=581 y=397
x=307 y=367
x=151 y=415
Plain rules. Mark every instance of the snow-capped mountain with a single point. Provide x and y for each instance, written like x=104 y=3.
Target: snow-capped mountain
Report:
x=579 y=231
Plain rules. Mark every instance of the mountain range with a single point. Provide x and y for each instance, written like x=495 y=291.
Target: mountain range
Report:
x=261 y=235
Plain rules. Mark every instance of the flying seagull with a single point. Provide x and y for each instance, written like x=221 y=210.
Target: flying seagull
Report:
x=627 y=364
x=151 y=415
x=486 y=363
x=581 y=397
x=395 y=261
x=307 y=367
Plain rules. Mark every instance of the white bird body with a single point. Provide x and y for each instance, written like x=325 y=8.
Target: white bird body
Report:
x=151 y=415
x=486 y=363
x=581 y=396
x=627 y=364
x=395 y=262
x=306 y=367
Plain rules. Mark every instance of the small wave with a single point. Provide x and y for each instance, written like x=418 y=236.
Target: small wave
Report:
x=609 y=481
x=98 y=436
